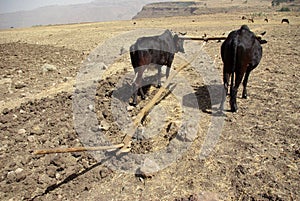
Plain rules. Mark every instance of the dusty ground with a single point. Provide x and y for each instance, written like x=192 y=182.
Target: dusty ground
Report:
x=257 y=156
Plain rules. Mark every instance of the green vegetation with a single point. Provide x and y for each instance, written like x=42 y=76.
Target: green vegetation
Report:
x=284 y=9
x=277 y=2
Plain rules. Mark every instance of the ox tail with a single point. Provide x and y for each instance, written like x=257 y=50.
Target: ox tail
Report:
x=133 y=57
x=133 y=49
x=234 y=62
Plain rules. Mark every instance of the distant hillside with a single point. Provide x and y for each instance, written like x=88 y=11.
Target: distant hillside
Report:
x=167 y=9
x=198 y=7
x=98 y=10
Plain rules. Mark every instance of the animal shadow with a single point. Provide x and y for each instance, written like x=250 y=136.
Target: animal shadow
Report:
x=124 y=92
x=208 y=99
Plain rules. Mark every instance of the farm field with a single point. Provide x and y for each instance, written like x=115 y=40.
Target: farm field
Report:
x=257 y=152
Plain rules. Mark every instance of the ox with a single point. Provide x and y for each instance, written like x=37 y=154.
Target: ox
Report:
x=285 y=20
x=251 y=20
x=158 y=50
x=241 y=52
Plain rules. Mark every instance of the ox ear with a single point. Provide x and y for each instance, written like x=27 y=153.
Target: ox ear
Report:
x=260 y=40
x=263 y=41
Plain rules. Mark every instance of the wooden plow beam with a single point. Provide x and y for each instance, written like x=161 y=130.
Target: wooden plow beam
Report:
x=203 y=39
x=77 y=149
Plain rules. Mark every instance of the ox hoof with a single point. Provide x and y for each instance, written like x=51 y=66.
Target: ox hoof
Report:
x=233 y=108
x=133 y=103
x=244 y=94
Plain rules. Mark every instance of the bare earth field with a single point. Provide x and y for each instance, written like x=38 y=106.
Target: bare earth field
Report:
x=257 y=156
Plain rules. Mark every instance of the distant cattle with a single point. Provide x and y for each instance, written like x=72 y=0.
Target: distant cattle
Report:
x=241 y=52
x=159 y=50
x=244 y=18
x=266 y=20
x=285 y=20
x=251 y=20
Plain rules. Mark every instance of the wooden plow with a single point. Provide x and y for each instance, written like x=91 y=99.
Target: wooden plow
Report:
x=125 y=146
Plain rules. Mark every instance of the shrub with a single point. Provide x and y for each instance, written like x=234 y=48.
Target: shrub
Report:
x=284 y=9
x=277 y=2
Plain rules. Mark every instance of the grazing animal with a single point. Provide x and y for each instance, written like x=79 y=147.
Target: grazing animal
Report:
x=266 y=20
x=241 y=52
x=251 y=20
x=285 y=20
x=158 y=50
x=244 y=18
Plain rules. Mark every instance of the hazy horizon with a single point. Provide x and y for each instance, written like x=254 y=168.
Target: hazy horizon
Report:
x=8 y=6
x=26 y=13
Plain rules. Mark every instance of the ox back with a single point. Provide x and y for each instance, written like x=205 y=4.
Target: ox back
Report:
x=241 y=52
x=285 y=20
x=158 y=50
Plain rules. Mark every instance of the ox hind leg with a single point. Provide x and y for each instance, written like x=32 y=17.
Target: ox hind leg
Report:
x=168 y=71
x=159 y=67
x=158 y=76
x=137 y=84
x=245 y=82
x=135 y=87
x=234 y=90
x=169 y=64
x=226 y=77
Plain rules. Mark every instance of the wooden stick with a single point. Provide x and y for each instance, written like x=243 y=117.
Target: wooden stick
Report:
x=203 y=39
x=258 y=37
x=77 y=149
